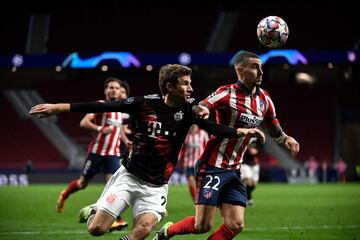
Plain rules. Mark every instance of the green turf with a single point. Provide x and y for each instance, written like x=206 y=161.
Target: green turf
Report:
x=280 y=212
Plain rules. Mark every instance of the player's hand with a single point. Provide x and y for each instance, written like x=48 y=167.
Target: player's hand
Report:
x=202 y=112
x=43 y=110
x=128 y=145
x=106 y=130
x=292 y=145
x=251 y=132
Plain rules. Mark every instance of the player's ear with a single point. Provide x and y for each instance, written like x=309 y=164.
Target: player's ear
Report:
x=239 y=69
x=169 y=86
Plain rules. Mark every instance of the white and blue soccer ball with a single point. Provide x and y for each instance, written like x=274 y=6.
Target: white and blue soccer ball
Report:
x=272 y=31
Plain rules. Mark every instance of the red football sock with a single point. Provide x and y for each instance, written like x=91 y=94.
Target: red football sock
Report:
x=192 y=191
x=184 y=226
x=222 y=233
x=73 y=187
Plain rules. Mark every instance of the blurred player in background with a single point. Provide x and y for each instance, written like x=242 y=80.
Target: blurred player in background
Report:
x=250 y=171
x=104 y=149
x=162 y=126
x=190 y=152
x=218 y=183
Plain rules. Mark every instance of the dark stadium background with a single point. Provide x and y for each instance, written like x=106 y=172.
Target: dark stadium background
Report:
x=323 y=116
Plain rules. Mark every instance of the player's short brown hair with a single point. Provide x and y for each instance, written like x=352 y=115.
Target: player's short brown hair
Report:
x=122 y=83
x=243 y=56
x=111 y=79
x=171 y=73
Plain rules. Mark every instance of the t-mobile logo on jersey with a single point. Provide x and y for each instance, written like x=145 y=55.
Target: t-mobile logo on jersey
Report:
x=154 y=128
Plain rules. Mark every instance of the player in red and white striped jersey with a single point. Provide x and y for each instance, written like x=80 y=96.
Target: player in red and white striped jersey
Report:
x=236 y=107
x=106 y=143
x=190 y=152
x=218 y=184
x=104 y=150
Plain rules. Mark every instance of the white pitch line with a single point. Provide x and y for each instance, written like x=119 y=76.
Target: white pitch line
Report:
x=256 y=229
x=301 y=228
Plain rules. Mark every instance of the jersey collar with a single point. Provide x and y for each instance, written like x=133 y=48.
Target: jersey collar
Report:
x=246 y=89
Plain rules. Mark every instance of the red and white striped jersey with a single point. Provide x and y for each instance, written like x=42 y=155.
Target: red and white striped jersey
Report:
x=193 y=147
x=107 y=144
x=236 y=107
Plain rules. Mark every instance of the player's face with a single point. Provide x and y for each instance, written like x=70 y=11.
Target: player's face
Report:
x=252 y=72
x=182 y=91
x=112 y=91
x=123 y=94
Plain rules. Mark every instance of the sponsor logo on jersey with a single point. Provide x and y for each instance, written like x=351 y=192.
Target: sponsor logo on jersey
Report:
x=114 y=122
x=250 y=119
x=154 y=128
x=152 y=96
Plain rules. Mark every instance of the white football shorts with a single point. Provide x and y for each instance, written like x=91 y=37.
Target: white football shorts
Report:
x=251 y=172
x=124 y=190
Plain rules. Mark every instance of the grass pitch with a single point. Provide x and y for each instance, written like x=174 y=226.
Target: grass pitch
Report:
x=281 y=211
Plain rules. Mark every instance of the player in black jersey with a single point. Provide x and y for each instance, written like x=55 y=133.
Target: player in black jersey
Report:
x=162 y=125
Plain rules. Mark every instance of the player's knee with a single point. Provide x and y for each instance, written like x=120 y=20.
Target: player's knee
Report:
x=97 y=229
x=203 y=227
x=143 y=229
x=236 y=226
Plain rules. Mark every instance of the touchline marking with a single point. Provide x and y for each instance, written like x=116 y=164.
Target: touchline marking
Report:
x=259 y=229
x=301 y=227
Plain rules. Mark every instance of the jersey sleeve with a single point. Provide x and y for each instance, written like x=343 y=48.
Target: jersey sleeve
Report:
x=270 y=115
x=130 y=105
x=182 y=151
x=215 y=129
x=218 y=98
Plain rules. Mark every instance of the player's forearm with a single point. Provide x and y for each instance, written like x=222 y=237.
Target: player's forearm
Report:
x=88 y=125
x=61 y=108
x=95 y=107
x=277 y=134
x=217 y=129
x=123 y=136
x=204 y=104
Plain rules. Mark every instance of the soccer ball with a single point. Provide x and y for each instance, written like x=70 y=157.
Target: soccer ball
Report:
x=272 y=31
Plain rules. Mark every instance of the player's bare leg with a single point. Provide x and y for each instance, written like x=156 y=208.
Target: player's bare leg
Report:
x=100 y=223
x=233 y=217
x=204 y=218
x=142 y=227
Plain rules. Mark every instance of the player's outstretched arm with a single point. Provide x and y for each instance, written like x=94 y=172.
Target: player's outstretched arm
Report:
x=281 y=138
x=48 y=109
x=226 y=131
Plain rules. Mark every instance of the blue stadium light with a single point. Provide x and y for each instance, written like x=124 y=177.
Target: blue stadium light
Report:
x=17 y=60
x=125 y=59
x=185 y=58
x=292 y=56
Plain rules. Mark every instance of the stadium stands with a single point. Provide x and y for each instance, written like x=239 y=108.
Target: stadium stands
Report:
x=22 y=141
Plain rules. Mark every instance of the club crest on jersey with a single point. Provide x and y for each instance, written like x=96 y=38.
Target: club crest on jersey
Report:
x=128 y=100
x=262 y=105
x=178 y=116
x=111 y=198
x=207 y=193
